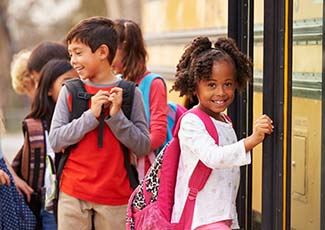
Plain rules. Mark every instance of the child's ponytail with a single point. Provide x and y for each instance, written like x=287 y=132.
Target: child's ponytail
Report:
x=130 y=39
x=198 y=59
x=185 y=79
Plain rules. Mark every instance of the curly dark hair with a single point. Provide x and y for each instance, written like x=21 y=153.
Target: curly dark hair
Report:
x=197 y=61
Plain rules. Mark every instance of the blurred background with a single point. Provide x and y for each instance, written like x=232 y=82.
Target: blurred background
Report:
x=25 y=23
x=167 y=27
x=297 y=172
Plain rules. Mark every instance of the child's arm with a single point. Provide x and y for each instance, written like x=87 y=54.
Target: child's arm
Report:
x=197 y=144
x=64 y=133
x=263 y=125
x=158 y=113
x=21 y=185
x=132 y=133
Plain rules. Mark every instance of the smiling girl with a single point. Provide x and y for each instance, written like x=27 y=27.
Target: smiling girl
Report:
x=213 y=74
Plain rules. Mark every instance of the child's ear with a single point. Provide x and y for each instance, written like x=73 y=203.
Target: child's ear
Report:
x=103 y=51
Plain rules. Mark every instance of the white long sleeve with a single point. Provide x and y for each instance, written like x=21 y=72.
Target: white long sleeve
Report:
x=217 y=200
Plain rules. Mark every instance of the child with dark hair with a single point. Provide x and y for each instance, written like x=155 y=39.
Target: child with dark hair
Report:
x=212 y=74
x=42 y=53
x=94 y=181
x=130 y=61
x=54 y=73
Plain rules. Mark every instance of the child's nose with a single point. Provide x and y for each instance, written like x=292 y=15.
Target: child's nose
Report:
x=220 y=90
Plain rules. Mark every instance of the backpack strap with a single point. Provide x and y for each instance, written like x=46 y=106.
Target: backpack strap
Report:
x=200 y=174
x=145 y=86
x=33 y=160
x=128 y=95
x=80 y=99
x=34 y=132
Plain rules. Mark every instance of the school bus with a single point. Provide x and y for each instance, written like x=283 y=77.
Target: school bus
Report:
x=283 y=187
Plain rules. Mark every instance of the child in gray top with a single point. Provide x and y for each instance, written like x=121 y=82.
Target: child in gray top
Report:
x=94 y=180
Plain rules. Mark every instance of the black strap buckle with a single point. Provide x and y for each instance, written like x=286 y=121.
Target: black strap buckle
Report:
x=84 y=95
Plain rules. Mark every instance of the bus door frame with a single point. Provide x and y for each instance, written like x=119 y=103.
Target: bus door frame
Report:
x=277 y=103
x=240 y=28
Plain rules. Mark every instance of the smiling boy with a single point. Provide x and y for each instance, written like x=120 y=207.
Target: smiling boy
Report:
x=94 y=180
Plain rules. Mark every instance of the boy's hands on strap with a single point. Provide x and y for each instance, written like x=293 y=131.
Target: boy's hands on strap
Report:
x=112 y=99
x=99 y=99
x=115 y=99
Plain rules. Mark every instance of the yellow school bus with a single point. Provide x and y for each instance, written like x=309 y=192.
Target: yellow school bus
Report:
x=283 y=187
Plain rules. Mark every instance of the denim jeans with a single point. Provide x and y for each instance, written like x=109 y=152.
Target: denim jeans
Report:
x=48 y=220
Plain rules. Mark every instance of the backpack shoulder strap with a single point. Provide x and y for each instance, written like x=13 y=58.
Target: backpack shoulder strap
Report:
x=227 y=118
x=128 y=95
x=79 y=97
x=34 y=152
x=79 y=104
x=145 y=86
x=200 y=174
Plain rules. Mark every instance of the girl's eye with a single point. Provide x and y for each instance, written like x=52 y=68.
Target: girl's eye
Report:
x=211 y=85
x=228 y=84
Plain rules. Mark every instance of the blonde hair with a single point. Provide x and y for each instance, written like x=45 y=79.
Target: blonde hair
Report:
x=19 y=72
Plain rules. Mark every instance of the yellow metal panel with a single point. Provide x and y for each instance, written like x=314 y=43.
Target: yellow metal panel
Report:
x=305 y=209
x=258 y=12
x=165 y=55
x=312 y=61
x=307 y=9
x=171 y=15
x=299 y=164
x=258 y=57
x=257 y=159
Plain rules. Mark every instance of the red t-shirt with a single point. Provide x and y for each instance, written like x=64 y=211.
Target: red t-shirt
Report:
x=97 y=174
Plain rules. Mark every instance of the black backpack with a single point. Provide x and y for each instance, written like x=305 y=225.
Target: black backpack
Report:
x=80 y=99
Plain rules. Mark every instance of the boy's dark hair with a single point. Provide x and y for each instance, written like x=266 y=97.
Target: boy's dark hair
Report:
x=130 y=39
x=45 y=51
x=197 y=61
x=94 y=32
x=43 y=105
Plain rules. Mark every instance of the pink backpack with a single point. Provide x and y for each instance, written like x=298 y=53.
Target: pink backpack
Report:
x=151 y=203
